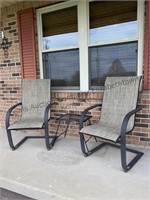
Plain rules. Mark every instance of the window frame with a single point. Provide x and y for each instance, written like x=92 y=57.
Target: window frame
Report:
x=84 y=44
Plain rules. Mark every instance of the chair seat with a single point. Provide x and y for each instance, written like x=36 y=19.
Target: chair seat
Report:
x=27 y=124
x=103 y=131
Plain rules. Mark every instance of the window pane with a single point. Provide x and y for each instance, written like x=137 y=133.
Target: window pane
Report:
x=62 y=67
x=60 y=41
x=112 y=60
x=60 y=28
x=123 y=31
x=112 y=21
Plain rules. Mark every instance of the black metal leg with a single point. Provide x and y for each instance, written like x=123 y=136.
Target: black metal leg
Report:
x=126 y=167
x=47 y=137
x=82 y=141
x=123 y=153
x=10 y=140
x=65 y=131
x=49 y=144
x=89 y=121
x=58 y=127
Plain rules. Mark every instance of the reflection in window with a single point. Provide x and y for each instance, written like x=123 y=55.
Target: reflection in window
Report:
x=111 y=15
x=122 y=61
x=63 y=68
x=67 y=40
x=60 y=29
x=116 y=32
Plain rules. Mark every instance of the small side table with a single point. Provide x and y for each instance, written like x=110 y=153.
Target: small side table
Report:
x=69 y=117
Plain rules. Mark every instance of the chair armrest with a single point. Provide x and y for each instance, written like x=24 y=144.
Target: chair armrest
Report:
x=7 y=119
x=84 y=113
x=126 y=120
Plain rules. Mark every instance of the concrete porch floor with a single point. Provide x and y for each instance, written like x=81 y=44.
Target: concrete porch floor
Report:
x=63 y=173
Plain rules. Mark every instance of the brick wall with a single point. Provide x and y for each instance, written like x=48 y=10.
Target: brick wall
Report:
x=10 y=71
x=141 y=133
x=10 y=68
x=10 y=87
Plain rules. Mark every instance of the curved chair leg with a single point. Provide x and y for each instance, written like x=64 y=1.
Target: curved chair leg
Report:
x=10 y=140
x=49 y=144
x=123 y=154
x=82 y=141
x=47 y=137
x=126 y=167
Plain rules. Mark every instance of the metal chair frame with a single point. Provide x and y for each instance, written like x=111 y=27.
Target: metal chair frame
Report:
x=121 y=142
x=49 y=144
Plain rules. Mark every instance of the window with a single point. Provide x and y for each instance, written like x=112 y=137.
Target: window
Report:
x=83 y=42
x=112 y=26
x=60 y=48
x=62 y=67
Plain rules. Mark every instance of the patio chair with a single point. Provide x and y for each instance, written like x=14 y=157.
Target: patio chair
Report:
x=117 y=118
x=36 y=106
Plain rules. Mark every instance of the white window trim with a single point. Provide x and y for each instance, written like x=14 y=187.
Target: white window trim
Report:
x=83 y=27
x=140 y=19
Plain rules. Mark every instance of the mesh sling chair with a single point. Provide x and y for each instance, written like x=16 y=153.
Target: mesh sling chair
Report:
x=117 y=118
x=35 y=112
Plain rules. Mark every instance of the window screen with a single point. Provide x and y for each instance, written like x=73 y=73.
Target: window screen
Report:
x=63 y=68
x=112 y=60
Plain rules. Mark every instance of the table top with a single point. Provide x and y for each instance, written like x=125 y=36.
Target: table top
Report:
x=72 y=117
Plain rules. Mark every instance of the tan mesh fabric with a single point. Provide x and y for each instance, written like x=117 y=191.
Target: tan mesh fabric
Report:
x=35 y=97
x=120 y=97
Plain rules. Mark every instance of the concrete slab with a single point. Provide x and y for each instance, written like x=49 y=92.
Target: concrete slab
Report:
x=63 y=173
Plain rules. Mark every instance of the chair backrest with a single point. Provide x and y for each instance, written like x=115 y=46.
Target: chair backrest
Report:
x=36 y=95
x=120 y=97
